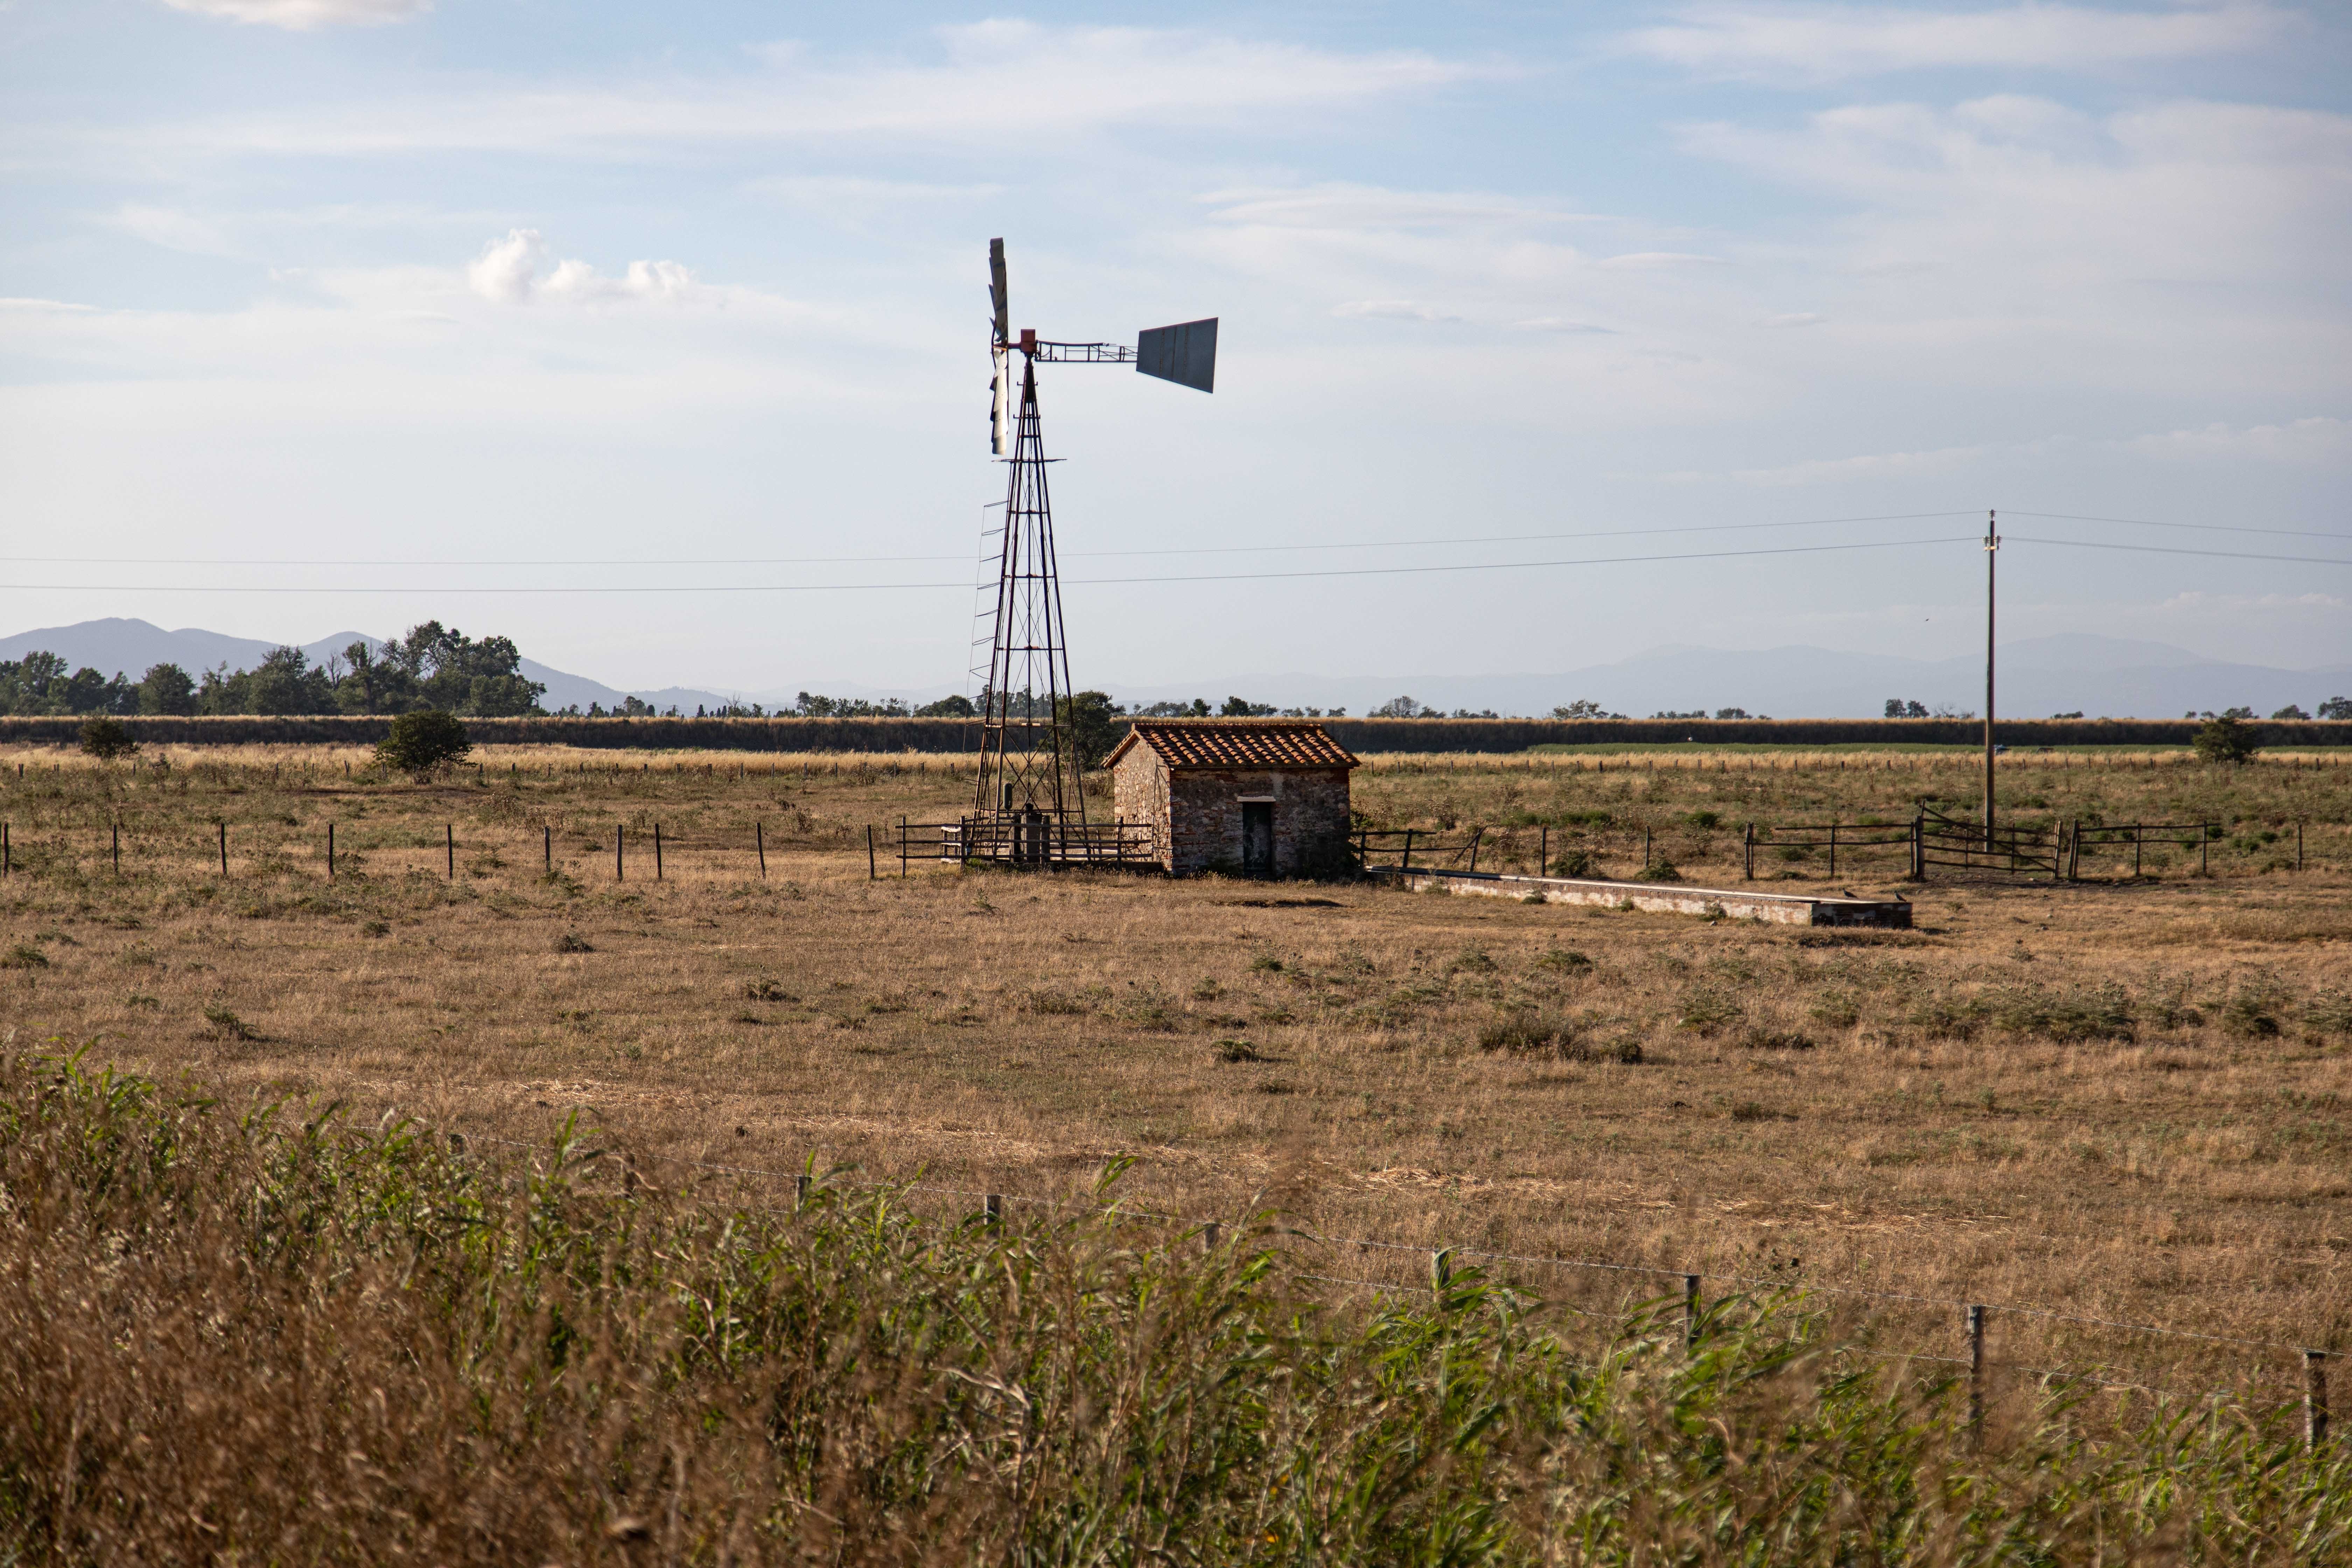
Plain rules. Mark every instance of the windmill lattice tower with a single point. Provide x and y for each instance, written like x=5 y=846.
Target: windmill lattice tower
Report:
x=1029 y=803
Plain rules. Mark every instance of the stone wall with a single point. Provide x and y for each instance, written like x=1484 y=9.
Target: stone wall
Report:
x=1197 y=814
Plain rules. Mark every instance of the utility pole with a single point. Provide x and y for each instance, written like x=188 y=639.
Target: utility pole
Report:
x=1992 y=551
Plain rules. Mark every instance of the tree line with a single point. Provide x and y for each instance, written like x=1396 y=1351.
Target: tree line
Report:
x=429 y=667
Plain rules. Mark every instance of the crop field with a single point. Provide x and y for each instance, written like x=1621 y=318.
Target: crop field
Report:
x=2123 y=1101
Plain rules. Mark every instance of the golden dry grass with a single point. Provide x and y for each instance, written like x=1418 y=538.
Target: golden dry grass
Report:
x=2122 y=1101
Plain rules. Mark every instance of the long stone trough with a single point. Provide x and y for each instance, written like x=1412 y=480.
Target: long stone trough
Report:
x=1780 y=908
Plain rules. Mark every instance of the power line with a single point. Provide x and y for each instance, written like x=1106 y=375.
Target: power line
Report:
x=1088 y=582
x=875 y=560
x=2198 y=527
x=2182 y=550
x=1190 y=578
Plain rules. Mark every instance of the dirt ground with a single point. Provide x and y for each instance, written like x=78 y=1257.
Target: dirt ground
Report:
x=2123 y=1100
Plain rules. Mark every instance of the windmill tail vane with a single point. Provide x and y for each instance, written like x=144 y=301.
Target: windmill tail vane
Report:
x=1029 y=789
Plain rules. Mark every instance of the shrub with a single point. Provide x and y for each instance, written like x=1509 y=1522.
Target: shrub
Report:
x=1775 y=1040
x=1518 y=1032
x=2226 y=740
x=1705 y=1011
x=227 y=1024
x=1568 y=959
x=1837 y=1009
x=1575 y=863
x=1052 y=1003
x=766 y=991
x=2251 y=1013
x=2101 y=1013
x=1236 y=1051
x=106 y=739
x=25 y=956
x=2329 y=1013
x=419 y=743
x=573 y=941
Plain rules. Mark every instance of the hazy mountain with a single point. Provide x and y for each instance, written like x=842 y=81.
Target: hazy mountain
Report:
x=2098 y=675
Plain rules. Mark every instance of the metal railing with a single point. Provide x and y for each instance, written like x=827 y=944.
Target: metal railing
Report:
x=1018 y=838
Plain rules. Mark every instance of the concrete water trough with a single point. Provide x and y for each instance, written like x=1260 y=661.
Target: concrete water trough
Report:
x=1781 y=908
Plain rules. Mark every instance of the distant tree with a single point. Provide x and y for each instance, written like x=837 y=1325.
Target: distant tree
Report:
x=1894 y=707
x=421 y=741
x=1242 y=708
x=166 y=688
x=1090 y=720
x=285 y=681
x=2228 y=739
x=2237 y=712
x=2336 y=708
x=106 y=739
x=2290 y=711
x=1464 y=714
x=956 y=706
x=1399 y=708
x=1732 y=712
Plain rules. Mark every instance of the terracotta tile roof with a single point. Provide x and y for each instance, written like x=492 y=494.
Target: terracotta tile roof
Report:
x=1237 y=743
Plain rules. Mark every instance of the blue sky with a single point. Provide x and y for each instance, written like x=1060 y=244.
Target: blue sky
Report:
x=485 y=281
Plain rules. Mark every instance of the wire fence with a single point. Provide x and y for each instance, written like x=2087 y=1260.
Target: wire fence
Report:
x=2306 y=1377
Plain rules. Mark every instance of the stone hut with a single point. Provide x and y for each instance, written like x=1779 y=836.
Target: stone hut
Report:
x=1261 y=797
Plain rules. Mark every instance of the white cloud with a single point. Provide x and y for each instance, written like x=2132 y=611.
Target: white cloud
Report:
x=2316 y=439
x=301 y=15
x=1823 y=43
x=507 y=268
x=1394 y=310
x=1101 y=77
x=508 y=272
x=1874 y=465
x=1357 y=207
x=1651 y=260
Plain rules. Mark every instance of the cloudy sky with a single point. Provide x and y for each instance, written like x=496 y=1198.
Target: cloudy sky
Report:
x=460 y=302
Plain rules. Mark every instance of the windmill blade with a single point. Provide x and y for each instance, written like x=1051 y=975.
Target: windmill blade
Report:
x=1186 y=354
x=996 y=291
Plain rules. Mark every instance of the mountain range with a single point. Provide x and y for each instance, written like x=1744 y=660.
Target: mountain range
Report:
x=2071 y=672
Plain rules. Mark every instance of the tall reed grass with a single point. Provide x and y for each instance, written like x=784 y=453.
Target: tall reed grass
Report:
x=259 y=1332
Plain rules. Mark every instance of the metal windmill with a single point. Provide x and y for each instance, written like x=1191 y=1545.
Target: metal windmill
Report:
x=1027 y=797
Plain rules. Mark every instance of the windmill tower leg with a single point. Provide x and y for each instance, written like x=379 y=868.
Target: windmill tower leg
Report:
x=1029 y=785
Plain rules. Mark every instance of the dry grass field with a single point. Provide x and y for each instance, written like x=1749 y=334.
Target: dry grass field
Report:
x=2123 y=1100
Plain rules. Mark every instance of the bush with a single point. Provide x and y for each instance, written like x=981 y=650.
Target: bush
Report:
x=2226 y=740
x=106 y=739
x=1575 y=863
x=419 y=743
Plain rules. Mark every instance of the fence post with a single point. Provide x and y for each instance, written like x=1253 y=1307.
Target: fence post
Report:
x=1474 y=839
x=4 y=856
x=871 y=875
x=1690 y=1311
x=620 y=866
x=2315 y=1398
x=1645 y=848
x=902 y=850
x=224 y=846
x=1543 y=851
x=1918 y=845
x=1408 y=851
x=547 y=847
x=993 y=1207
x=330 y=851
x=1976 y=1374
x=760 y=843
x=2298 y=846
x=1748 y=851
x=1833 y=828
x=450 y=832
x=657 y=865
